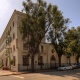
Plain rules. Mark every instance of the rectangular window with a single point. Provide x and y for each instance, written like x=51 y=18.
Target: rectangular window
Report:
x=41 y=48
x=25 y=60
x=10 y=28
x=10 y=39
x=52 y=50
x=13 y=35
x=13 y=23
x=16 y=43
x=13 y=47
x=14 y=60
x=40 y=60
x=11 y=50
x=25 y=46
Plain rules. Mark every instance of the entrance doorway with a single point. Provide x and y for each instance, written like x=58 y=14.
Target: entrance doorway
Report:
x=52 y=62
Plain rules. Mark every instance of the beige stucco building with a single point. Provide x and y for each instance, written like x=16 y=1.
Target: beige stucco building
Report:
x=17 y=50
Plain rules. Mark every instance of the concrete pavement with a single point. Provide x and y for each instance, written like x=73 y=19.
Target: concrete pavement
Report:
x=7 y=72
x=53 y=75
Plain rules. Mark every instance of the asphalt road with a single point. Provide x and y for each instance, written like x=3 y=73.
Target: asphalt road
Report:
x=54 y=75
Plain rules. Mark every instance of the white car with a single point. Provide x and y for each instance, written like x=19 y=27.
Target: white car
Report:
x=74 y=66
x=67 y=67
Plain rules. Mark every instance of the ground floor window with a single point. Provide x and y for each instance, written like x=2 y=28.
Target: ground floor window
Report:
x=40 y=60
x=14 y=60
x=25 y=60
x=52 y=62
x=6 y=61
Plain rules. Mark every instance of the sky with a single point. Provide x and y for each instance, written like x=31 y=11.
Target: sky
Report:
x=70 y=9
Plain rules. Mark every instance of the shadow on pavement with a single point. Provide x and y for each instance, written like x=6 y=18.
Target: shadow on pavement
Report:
x=71 y=73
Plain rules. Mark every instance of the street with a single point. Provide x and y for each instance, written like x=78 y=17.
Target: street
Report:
x=55 y=75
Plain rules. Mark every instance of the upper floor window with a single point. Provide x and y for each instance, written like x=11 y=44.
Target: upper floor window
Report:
x=13 y=47
x=42 y=48
x=10 y=28
x=25 y=46
x=52 y=50
x=13 y=23
x=11 y=50
x=10 y=39
x=13 y=35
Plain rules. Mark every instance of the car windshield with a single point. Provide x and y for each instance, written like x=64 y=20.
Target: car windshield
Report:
x=63 y=66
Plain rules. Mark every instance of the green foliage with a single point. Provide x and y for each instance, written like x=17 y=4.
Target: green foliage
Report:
x=57 y=34
x=39 y=17
x=72 y=39
x=33 y=26
x=11 y=62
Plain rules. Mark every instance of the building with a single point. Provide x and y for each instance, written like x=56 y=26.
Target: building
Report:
x=17 y=51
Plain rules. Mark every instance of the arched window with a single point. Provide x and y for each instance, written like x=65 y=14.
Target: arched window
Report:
x=52 y=57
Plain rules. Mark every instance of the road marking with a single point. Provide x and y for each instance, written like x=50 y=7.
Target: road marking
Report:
x=19 y=77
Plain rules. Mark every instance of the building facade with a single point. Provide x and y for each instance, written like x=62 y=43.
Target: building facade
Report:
x=16 y=51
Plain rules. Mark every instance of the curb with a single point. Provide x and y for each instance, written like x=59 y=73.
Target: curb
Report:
x=19 y=73
x=13 y=74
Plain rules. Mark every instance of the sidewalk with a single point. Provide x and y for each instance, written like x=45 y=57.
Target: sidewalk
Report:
x=7 y=73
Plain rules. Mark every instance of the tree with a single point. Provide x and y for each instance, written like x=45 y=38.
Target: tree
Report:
x=78 y=44
x=8 y=47
x=67 y=50
x=73 y=41
x=57 y=32
x=70 y=36
x=39 y=18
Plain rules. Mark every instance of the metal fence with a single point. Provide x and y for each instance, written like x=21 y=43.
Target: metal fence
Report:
x=37 y=67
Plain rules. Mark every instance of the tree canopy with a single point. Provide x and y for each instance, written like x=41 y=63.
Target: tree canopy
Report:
x=72 y=40
x=57 y=34
x=40 y=16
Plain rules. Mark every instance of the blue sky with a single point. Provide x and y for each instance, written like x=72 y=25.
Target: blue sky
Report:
x=70 y=9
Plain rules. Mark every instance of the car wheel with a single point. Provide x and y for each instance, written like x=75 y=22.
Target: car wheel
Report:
x=65 y=69
x=72 y=68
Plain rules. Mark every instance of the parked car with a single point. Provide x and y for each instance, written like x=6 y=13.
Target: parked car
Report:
x=78 y=65
x=74 y=66
x=65 y=67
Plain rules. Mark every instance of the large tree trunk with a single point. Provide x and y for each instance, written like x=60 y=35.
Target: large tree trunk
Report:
x=77 y=58
x=59 y=60
x=32 y=63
